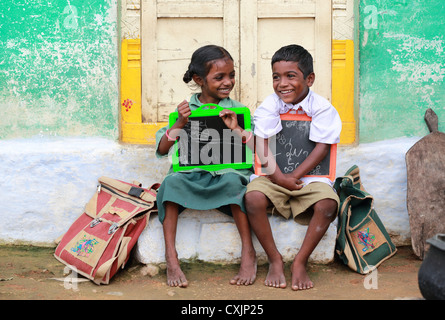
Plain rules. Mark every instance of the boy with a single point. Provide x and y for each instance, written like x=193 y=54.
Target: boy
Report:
x=311 y=200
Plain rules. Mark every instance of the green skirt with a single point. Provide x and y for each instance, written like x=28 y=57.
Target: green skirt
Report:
x=201 y=190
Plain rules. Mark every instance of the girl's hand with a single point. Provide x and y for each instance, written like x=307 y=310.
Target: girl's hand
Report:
x=183 y=113
x=229 y=118
x=183 y=117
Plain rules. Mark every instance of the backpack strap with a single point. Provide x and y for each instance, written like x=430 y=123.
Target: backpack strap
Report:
x=354 y=173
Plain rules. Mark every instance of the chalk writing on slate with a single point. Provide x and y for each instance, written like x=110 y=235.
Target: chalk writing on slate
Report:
x=208 y=141
x=205 y=142
x=291 y=146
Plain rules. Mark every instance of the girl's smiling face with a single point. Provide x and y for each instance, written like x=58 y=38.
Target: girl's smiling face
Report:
x=289 y=83
x=219 y=81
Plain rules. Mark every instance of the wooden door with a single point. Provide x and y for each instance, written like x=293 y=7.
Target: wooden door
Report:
x=171 y=31
x=266 y=26
x=251 y=30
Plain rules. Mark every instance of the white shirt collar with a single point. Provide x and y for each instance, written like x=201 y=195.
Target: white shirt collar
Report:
x=303 y=104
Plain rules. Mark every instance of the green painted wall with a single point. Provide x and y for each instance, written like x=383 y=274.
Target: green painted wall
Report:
x=402 y=67
x=58 y=68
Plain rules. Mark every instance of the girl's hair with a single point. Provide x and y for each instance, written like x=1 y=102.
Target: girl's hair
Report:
x=202 y=59
x=296 y=54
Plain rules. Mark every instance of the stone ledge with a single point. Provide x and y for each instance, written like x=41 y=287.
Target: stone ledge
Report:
x=212 y=236
x=47 y=181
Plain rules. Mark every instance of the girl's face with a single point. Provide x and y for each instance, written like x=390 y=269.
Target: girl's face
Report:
x=218 y=83
x=289 y=83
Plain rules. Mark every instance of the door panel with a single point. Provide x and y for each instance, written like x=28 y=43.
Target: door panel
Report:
x=251 y=30
x=171 y=32
x=268 y=25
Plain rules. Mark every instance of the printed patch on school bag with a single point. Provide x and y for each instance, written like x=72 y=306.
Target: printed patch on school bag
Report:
x=367 y=238
x=86 y=247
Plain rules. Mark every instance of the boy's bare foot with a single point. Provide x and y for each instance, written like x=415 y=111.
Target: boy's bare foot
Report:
x=247 y=272
x=275 y=276
x=300 y=278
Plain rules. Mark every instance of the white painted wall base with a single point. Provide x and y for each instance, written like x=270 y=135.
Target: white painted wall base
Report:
x=46 y=182
x=213 y=237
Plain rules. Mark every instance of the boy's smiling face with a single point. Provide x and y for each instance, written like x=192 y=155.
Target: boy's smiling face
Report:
x=289 y=83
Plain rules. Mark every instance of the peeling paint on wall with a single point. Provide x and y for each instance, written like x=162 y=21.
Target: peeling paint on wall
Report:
x=402 y=67
x=412 y=59
x=58 y=68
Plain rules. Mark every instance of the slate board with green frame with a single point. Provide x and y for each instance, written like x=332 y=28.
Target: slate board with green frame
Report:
x=206 y=142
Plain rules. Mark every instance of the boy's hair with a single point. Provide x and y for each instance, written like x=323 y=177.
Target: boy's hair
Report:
x=202 y=60
x=297 y=54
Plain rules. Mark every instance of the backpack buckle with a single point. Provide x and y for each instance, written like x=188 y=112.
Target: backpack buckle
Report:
x=113 y=228
x=95 y=222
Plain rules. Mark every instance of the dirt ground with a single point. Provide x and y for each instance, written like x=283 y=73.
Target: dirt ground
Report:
x=32 y=273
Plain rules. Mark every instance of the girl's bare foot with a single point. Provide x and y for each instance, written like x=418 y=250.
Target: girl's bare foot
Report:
x=300 y=278
x=175 y=276
x=275 y=276
x=247 y=272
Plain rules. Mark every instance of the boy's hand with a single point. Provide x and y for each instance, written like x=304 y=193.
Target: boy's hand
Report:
x=183 y=113
x=229 y=118
x=287 y=181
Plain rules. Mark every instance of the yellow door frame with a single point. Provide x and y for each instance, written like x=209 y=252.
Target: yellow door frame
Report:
x=133 y=130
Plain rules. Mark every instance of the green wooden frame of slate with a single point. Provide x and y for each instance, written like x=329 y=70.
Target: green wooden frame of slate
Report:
x=212 y=110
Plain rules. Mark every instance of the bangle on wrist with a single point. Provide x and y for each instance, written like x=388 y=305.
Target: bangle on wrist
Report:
x=168 y=136
x=248 y=139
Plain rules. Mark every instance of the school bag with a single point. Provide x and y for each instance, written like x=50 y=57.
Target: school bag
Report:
x=362 y=241
x=99 y=242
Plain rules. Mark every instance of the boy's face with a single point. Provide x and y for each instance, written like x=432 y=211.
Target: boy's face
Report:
x=289 y=83
x=218 y=83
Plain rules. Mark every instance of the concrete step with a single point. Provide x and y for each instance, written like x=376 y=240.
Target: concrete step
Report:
x=212 y=236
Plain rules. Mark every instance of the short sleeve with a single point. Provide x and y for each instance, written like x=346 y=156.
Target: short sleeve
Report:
x=158 y=137
x=326 y=125
x=267 y=118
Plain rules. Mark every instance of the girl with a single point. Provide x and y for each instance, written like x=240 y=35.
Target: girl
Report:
x=212 y=69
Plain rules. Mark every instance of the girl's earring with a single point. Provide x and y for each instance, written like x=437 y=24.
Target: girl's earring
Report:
x=198 y=80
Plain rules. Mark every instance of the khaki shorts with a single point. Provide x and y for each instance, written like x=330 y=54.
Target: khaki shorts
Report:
x=296 y=202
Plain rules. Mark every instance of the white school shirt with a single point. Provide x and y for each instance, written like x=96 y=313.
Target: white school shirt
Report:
x=325 y=125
